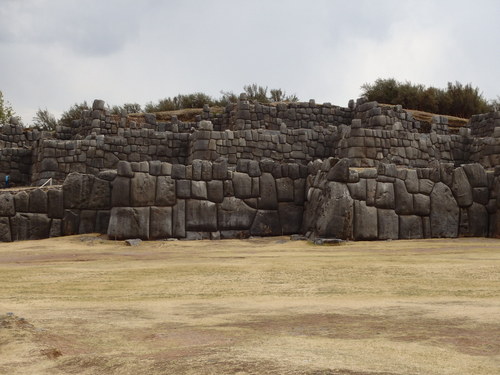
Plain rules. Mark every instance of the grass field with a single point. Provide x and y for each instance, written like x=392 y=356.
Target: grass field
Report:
x=85 y=305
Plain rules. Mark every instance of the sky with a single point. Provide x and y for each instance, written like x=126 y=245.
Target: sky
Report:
x=55 y=53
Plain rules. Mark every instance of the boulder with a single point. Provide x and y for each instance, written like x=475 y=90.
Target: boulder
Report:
x=388 y=224
x=201 y=216
x=365 y=221
x=444 y=215
x=266 y=223
x=38 y=201
x=129 y=222
x=165 y=191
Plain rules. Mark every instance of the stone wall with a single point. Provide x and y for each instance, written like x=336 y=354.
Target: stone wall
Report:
x=400 y=203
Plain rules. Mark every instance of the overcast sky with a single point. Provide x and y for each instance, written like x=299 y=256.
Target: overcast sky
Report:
x=54 y=53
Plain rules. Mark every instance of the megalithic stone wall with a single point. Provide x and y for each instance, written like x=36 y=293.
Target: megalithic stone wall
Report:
x=399 y=203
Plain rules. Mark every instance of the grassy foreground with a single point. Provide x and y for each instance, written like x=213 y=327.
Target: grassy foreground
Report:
x=85 y=305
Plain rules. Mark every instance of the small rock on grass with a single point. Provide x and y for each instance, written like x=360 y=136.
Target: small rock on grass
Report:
x=133 y=242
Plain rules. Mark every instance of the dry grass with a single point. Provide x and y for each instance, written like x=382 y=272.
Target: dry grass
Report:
x=261 y=306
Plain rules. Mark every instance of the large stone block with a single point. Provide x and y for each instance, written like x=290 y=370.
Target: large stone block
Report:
x=410 y=227
x=242 y=185
x=403 y=199
x=284 y=189
x=474 y=221
x=411 y=181
x=179 y=219
x=334 y=212
x=142 y=190
x=268 y=197
x=100 y=195
x=102 y=221
x=234 y=214
x=129 y=222
x=476 y=175
x=160 y=223
x=120 y=192
x=444 y=212
x=21 y=201
x=215 y=191
x=55 y=207
x=28 y=226
x=7 y=207
x=384 y=195
x=183 y=188
x=340 y=171
x=299 y=194
x=421 y=204
x=165 y=191
x=38 y=201
x=5 y=235
x=77 y=188
x=70 y=222
x=201 y=216
x=87 y=221
x=388 y=224
x=365 y=221
x=290 y=217
x=266 y=223
x=358 y=189
x=199 y=190
x=461 y=188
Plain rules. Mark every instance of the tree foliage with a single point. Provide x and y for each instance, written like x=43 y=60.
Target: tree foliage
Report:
x=44 y=120
x=6 y=111
x=73 y=113
x=456 y=100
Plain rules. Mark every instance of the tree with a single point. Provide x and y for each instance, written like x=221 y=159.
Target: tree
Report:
x=127 y=108
x=73 y=113
x=6 y=111
x=456 y=100
x=44 y=120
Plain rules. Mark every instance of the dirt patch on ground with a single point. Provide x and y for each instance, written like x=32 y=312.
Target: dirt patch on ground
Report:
x=87 y=305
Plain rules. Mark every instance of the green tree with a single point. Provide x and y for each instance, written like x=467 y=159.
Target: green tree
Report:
x=127 y=108
x=73 y=113
x=44 y=120
x=6 y=111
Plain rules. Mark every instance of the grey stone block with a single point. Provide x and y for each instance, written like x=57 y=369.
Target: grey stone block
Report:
x=358 y=189
x=480 y=195
x=268 y=197
x=388 y=224
x=76 y=189
x=100 y=195
x=55 y=228
x=422 y=204
x=102 y=221
x=70 y=222
x=410 y=227
x=183 y=188
x=5 y=235
x=242 y=185
x=142 y=190
x=215 y=191
x=285 y=189
x=403 y=199
x=124 y=169
x=339 y=172
x=28 y=226
x=160 y=223
x=165 y=191
x=120 y=192
x=290 y=217
x=444 y=216
x=425 y=186
x=365 y=221
x=234 y=214
x=199 y=190
x=461 y=188
x=476 y=175
x=21 y=201
x=179 y=219
x=201 y=216
x=266 y=223
x=384 y=195
x=129 y=222
x=55 y=201
x=87 y=221
x=7 y=207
